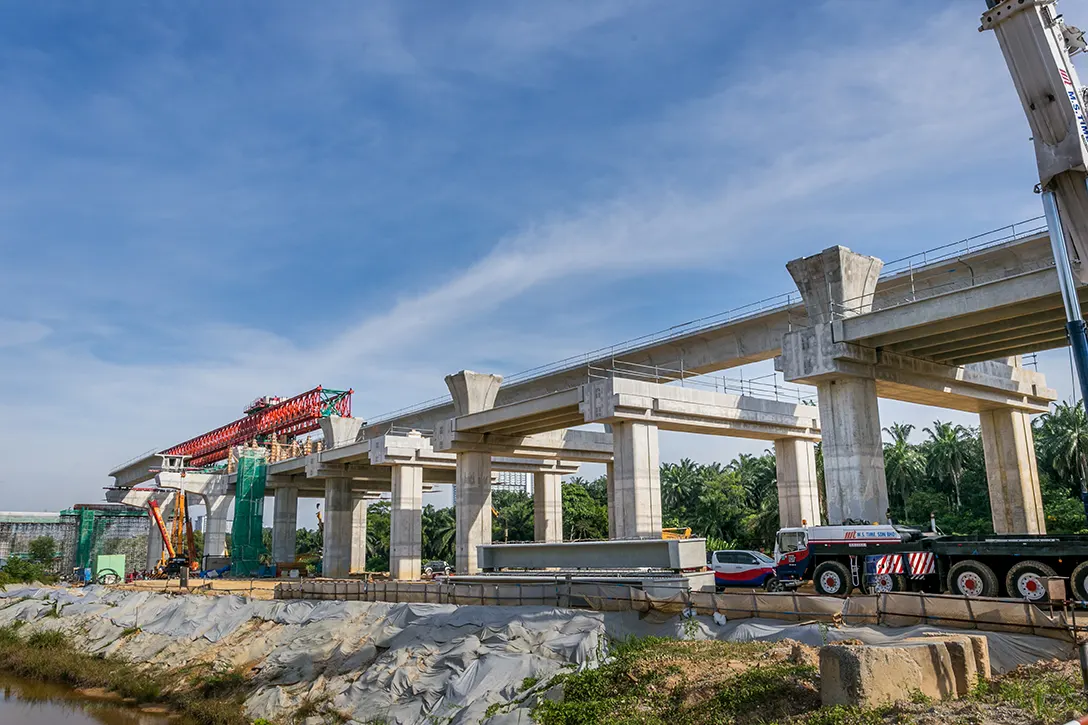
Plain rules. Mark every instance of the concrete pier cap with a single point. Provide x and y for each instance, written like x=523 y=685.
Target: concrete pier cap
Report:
x=340 y=431
x=473 y=392
x=836 y=283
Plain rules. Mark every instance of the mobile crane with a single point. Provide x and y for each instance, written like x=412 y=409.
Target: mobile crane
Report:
x=1038 y=47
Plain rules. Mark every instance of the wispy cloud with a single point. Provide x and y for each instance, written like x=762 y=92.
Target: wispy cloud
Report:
x=270 y=244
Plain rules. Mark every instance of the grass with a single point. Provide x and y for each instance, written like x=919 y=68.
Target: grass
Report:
x=1051 y=692
x=48 y=656
x=655 y=681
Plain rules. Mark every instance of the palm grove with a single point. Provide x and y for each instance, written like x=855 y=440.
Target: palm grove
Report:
x=938 y=468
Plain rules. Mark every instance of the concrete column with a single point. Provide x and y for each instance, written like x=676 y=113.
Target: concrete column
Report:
x=336 y=562
x=547 y=507
x=637 y=487
x=154 y=543
x=406 y=523
x=284 y=523
x=154 y=538
x=798 y=489
x=473 y=508
x=610 y=478
x=215 y=524
x=853 y=451
x=359 y=507
x=1012 y=476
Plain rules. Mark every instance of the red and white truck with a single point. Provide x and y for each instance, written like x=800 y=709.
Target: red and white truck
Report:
x=887 y=558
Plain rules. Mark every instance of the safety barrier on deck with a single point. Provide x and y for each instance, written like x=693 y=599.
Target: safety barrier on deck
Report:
x=893 y=610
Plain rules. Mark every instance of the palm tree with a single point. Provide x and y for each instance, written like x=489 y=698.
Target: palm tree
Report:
x=903 y=463
x=757 y=475
x=1062 y=436
x=680 y=486
x=949 y=447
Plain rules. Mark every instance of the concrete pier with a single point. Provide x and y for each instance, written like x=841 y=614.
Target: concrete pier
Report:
x=636 y=503
x=853 y=450
x=215 y=524
x=284 y=523
x=339 y=509
x=547 y=507
x=798 y=488
x=406 y=523
x=359 y=506
x=837 y=284
x=610 y=486
x=473 y=508
x=1011 y=472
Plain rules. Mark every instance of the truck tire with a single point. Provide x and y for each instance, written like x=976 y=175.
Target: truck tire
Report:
x=886 y=583
x=1078 y=580
x=832 y=579
x=971 y=578
x=774 y=584
x=1027 y=580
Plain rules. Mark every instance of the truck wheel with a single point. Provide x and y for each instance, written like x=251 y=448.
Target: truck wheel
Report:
x=886 y=583
x=1079 y=581
x=832 y=579
x=1027 y=580
x=774 y=584
x=970 y=578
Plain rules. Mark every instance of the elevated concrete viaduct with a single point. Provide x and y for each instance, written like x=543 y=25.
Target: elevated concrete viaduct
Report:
x=839 y=289
x=634 y=411
x=941 y=330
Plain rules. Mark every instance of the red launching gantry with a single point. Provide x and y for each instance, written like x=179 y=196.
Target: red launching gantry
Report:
x=267 y=417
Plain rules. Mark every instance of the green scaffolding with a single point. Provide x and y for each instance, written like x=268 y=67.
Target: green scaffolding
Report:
x=85 y=542
x=246 y=536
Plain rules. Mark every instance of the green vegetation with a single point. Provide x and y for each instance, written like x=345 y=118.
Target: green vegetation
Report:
x=42 y=550
x=655 y=681
x=47 y=655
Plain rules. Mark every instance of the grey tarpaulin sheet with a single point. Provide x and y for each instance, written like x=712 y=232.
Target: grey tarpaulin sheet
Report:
x=403 y=663
x=1007 y=650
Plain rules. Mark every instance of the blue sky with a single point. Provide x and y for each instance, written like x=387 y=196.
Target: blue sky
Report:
x=200 y=205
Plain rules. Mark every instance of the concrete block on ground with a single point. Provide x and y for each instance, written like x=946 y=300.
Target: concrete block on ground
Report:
x=869 y=676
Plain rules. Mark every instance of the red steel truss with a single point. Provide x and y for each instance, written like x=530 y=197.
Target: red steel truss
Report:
x=294 y=416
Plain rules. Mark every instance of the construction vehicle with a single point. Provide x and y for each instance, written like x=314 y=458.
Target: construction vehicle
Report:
x=880 y=558
x=1037 y=46
x=676 y=533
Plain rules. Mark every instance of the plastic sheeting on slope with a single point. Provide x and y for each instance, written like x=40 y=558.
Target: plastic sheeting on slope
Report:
x=405 y=663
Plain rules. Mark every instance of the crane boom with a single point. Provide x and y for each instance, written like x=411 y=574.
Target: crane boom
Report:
x=1038 y=47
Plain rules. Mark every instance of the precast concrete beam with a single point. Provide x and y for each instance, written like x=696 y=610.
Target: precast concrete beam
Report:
x=284 y=524
x=813 y=355
x=1012 y=476
x=339 y=509
x=637 y=489
x=797 y=483
x=567 y=445
x=547 y=507
x=692 y=410
x=406 y=523
x=473 y=508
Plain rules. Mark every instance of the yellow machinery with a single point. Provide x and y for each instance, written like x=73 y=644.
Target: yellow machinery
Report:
x=677 y=533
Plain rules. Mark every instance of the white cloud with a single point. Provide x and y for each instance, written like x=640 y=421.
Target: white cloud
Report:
x=773 y=163
x=21 y=332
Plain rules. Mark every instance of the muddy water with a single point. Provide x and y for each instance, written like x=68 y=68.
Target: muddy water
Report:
x=23 y=702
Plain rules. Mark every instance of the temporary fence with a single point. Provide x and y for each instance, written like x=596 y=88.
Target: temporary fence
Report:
x=894 y=609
